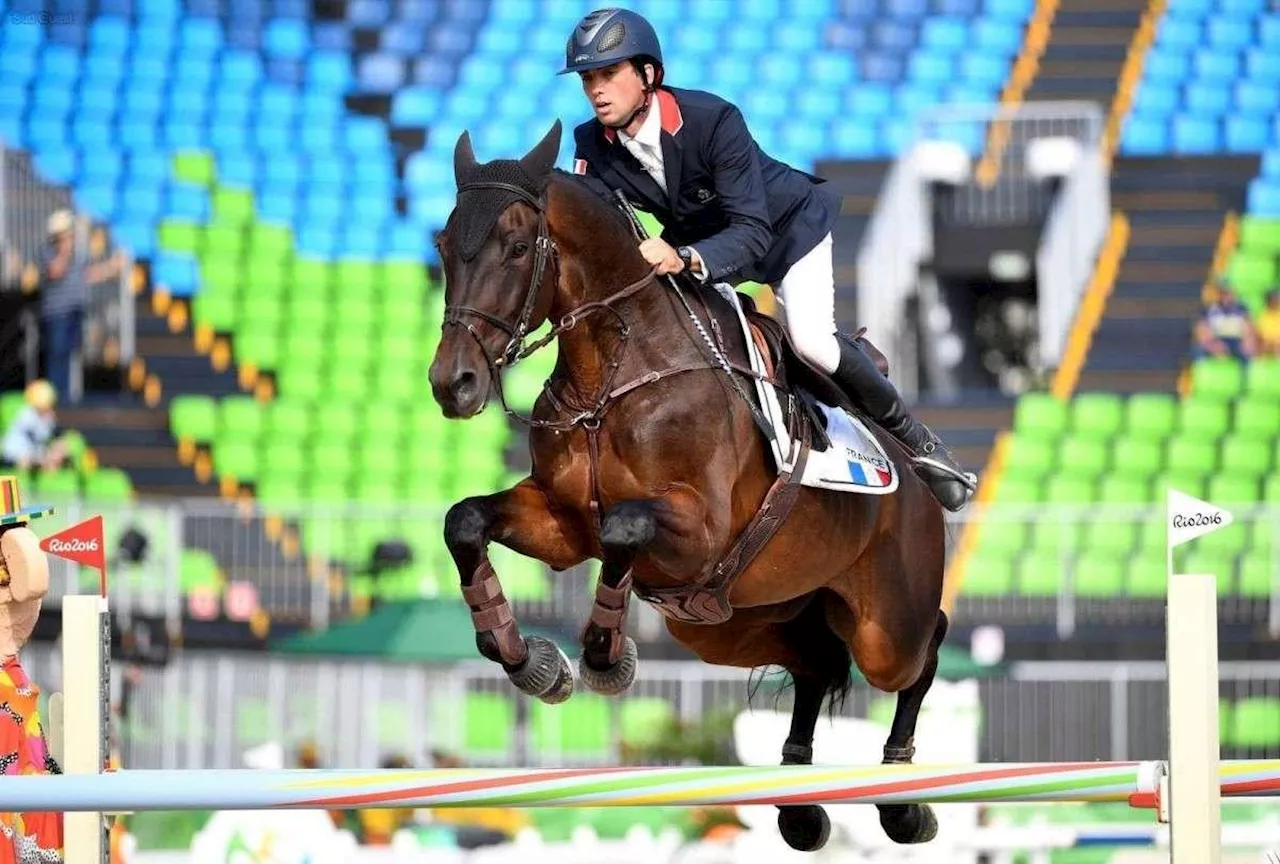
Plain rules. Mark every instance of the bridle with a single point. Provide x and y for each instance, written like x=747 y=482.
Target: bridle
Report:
x=545 y=253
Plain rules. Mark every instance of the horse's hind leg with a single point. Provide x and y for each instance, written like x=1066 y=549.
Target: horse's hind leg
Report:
x=805 y=827
x=911 y=823
x=522 y=520
x=609 y=658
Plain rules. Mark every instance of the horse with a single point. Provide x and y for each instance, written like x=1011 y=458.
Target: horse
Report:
x=645 y=455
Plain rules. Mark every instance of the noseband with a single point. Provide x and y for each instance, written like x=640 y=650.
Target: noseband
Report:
x=544 y=250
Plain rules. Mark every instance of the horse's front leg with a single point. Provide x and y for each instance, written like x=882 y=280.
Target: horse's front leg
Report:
x=523 y=520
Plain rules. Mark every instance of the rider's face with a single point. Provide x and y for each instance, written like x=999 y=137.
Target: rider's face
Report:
x=613 y=91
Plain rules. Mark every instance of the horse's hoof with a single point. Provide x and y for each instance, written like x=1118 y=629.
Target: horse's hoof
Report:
x=618 y=678
x=546 y=673
x=910 y=823
x=806 y=828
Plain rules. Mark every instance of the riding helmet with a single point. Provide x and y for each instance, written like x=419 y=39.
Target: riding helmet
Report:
x=607 y=36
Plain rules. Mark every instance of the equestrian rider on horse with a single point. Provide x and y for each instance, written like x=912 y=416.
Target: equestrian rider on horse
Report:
x=733 y=212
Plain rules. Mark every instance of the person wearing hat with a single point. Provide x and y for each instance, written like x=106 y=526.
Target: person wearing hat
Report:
x=24 y=750
x=731 y=213
x=32 y=439
x=65 y=279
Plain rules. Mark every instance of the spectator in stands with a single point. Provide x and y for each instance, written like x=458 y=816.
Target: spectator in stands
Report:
x=1268 y=325
x=1224 y=328
x=32 y=439
x=65 y=278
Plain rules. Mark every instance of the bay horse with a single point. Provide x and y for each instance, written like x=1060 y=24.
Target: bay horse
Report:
x=645 y=457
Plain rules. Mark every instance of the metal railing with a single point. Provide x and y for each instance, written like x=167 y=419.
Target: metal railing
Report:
x=26 y=203
x=207 y=708
x=310 y=565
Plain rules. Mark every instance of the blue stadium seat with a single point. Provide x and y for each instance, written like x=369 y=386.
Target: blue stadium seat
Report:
x=1166 y=67
x=91 y=136
x=1264 y=197
x=1156 y=100
x=141 y=201
x=909 y=99
x=1178 y=33
x=1253 y=99
x=1145 y=136
x=98 y=199
x=109 y=35
x=405 y=240
x=870 y=101
x=1269 y=31
x=271 y=137
x=227 y=137
x=58 y=164
x=277 y=103
x=360 y=241
x=1230 y=34
x=747 y=38
x=200 y=37
x=417 y=10
x=1215 y=66
x=778 y=71
x=1244 y=9
x=984 y=70
x=434 y=72
x=893 y=36
x=958 y=8
x=845 y=37
x=1017 y=11
x=1262 y=66
x=1207 y=100
x=928 y=68
x=416 y=106
x=381 y=73
x=944 y=34
x=239 y=69
x=1192 y=9
x=237 y=168
x=59 y=63
x=291 y=8
x=180 y=135
x=286 y=37
x=1195 y=135
x=1271 y=164
x=278 y=209
x=403 y=39
x=905 y=9
x=50 y=98
x=1246 y=134
x=817 y=105
x=176 y=271
x=103 y=69
x=997 y=37
x=331 y=36
x=105 y=167
x=880 y=67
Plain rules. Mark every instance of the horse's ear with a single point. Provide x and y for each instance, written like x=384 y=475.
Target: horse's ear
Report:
x=539 y=161
x=464 y=158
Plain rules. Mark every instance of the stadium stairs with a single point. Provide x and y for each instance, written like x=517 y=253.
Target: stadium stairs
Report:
x=1175 y=208
x=1086 y=51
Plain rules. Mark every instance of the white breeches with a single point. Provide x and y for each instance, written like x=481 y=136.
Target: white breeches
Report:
x=808 y=293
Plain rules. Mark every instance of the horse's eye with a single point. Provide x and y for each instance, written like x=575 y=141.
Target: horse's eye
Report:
x=519 y=250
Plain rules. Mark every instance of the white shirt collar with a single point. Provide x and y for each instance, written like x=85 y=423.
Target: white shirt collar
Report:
x=650 y=131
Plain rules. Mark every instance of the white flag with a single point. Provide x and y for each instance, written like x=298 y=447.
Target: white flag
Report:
x=1188 y=518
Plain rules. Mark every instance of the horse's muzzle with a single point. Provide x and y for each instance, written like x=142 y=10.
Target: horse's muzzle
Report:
x=460 y=394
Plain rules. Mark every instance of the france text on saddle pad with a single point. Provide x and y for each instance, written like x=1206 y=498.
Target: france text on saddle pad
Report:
x=855 y=461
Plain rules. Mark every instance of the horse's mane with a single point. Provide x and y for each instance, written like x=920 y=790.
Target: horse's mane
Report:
x=595 y=188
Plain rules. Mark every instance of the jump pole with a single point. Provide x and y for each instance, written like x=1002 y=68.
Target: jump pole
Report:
x=85 y=677
x=1194 y=794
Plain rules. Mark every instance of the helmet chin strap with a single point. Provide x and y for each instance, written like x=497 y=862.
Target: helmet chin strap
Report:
x=641 y=109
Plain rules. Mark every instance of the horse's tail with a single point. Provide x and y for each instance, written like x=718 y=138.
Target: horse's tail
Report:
x=825 y=656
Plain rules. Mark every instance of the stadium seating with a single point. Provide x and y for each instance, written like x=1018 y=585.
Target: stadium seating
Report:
x=1101 y=450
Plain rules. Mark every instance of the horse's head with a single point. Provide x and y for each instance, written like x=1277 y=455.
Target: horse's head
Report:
x=499 y=266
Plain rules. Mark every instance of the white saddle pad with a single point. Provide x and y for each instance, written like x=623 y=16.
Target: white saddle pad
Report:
x=855 y=461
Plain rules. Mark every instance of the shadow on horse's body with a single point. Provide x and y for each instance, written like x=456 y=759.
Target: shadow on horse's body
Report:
x=660 y=479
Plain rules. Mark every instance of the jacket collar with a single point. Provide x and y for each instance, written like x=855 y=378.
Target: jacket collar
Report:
x=669 y=117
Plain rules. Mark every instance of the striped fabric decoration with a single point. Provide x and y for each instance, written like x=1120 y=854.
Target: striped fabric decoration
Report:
x=11 y=510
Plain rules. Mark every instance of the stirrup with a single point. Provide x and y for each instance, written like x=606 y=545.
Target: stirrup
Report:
x=968 y=478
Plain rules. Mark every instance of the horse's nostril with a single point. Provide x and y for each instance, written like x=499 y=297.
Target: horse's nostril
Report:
x=464 y=385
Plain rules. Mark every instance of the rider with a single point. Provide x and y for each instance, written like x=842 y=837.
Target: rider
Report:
x=734 y=213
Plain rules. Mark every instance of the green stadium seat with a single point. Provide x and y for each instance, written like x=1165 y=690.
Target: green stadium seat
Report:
x=1098 y=416
x=1203 y=419
x=1068 y=489
x=1151 y=415
x=258 y=344
x=1040 y=573
x=355 y=278
x=396 y=386
x=1137 y=457
x=1099 y=574
x=193 y=418
x=1271 y=489
x=1055 y=536
x=1124 y=490
x=1262 y=537
x=220 y=275
x=1230 y=540
x=1221 y=564
x=1227 y=489
x=1015 y=490
x=1191 y=482
x=1256 y=722
x=1148 y=577
x=988 y=576
x=177 y=235
x=1082 y=457
x=232 y=206
x=197 y=569
x=262 y=309
x=216 y=310
x=241 y=417
x=283 y=460
x=1116 y=538
x=269 y=277
x=278 y=492
x=336 y=422
x=299 y=381
x=1258 y=576
x=1250 y=272
x=1260 y=236
x=10 y=405
x=287 y=420
x=1028 y=458
x=1257 y=418
x=108 y=486
x=1040 y=416
x=1192 y=457
x=223 y=241
x=1262 y=378
x=1217 y=378
x=268 y=242
x=333 y=459
x=194 y=167
x=236 y=459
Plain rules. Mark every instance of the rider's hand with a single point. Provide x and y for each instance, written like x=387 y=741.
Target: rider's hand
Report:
x=660 y=254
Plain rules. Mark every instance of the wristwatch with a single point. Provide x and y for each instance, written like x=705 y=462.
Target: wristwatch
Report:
x=686 y=255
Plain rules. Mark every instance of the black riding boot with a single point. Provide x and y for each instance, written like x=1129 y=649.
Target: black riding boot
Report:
x=871 y=391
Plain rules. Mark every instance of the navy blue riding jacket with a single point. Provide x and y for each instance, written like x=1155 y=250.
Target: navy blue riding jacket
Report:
x=750 y=216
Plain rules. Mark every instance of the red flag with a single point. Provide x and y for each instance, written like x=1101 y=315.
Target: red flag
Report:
x=81 y=543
